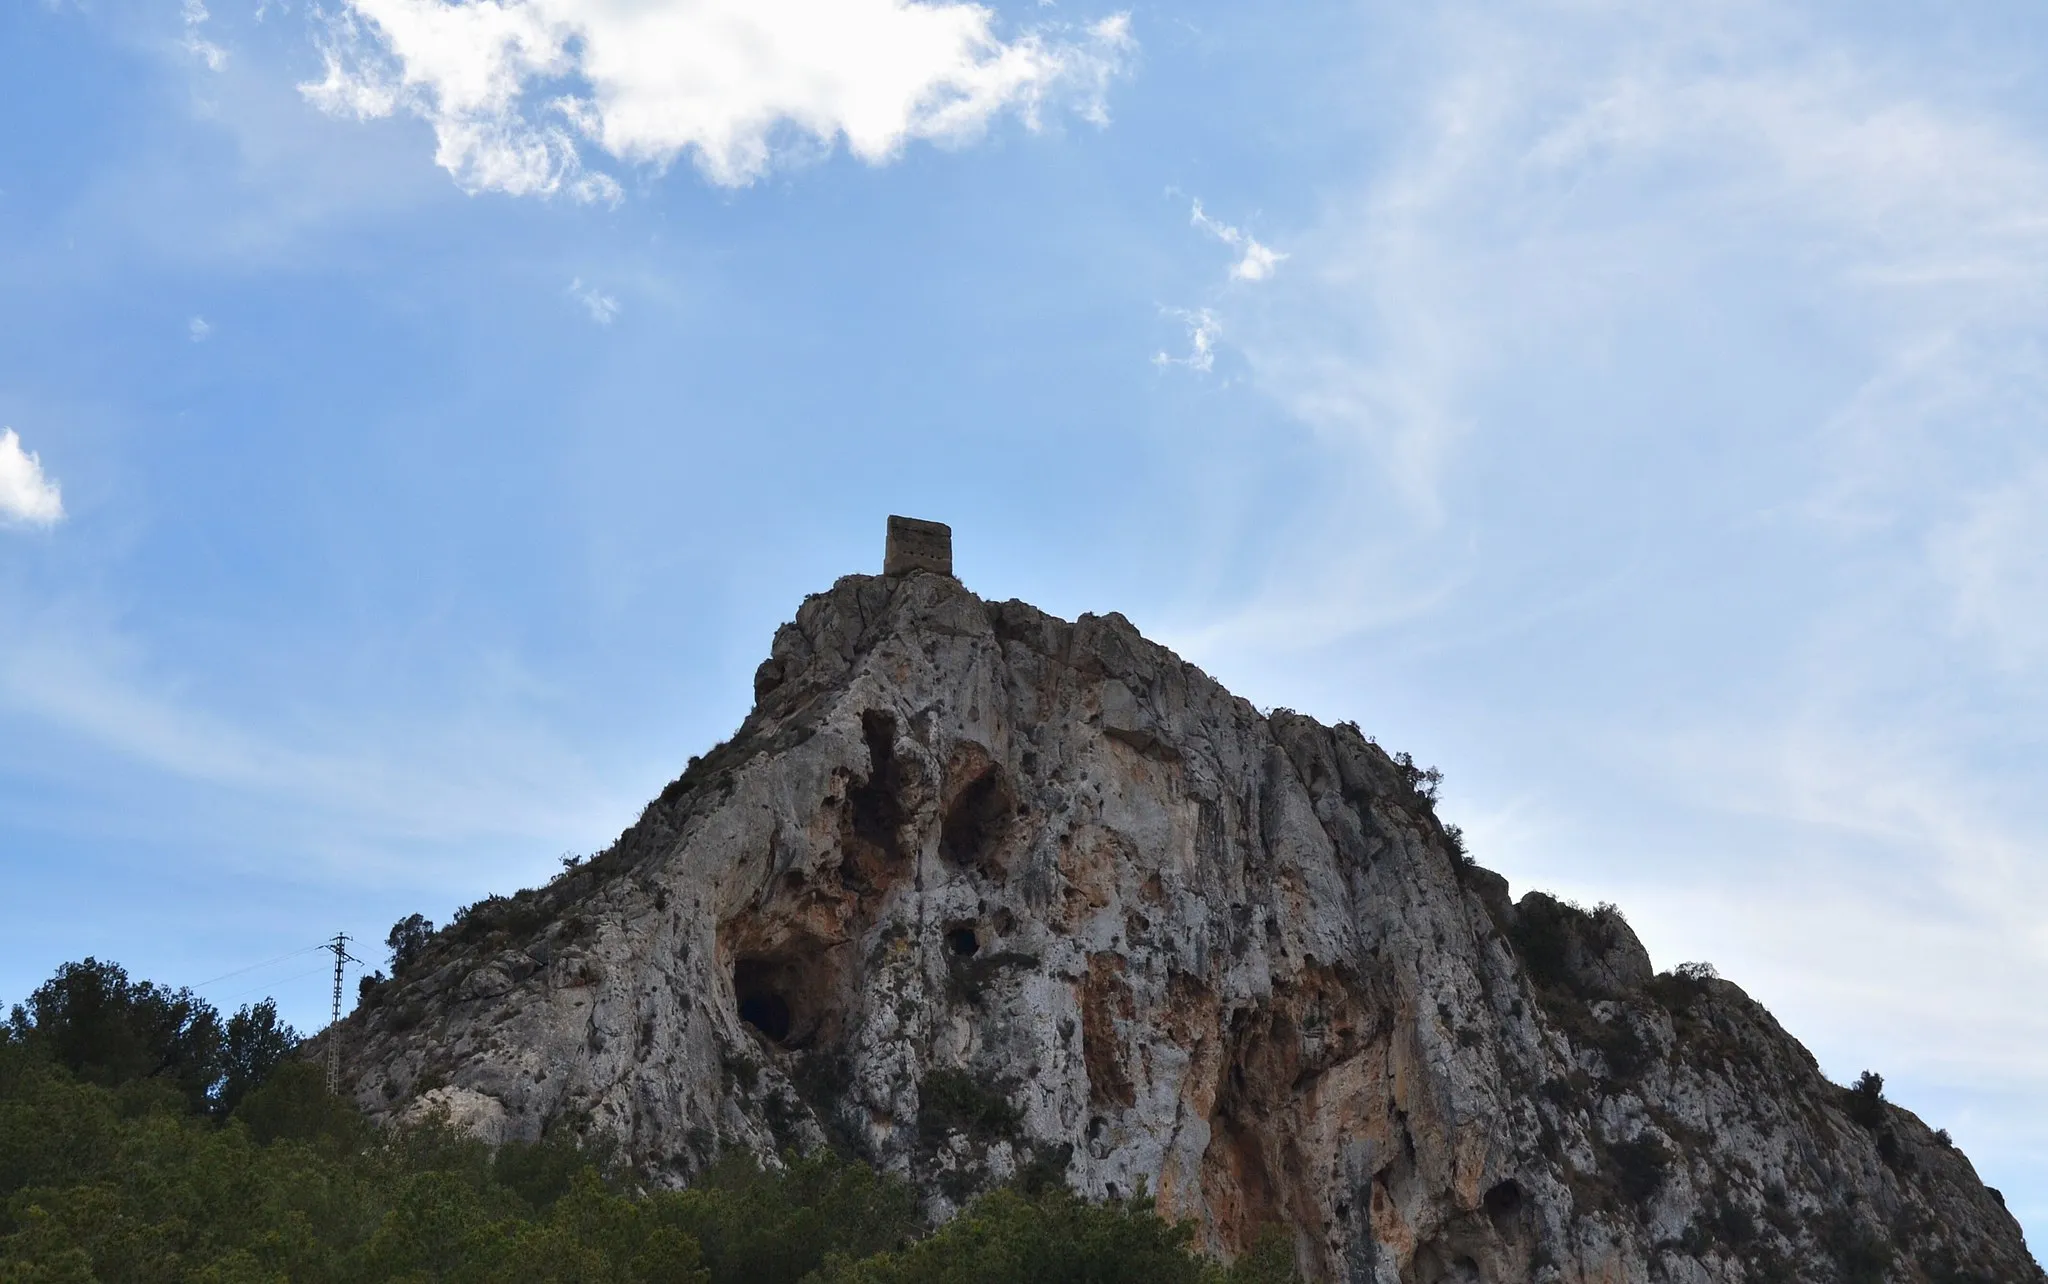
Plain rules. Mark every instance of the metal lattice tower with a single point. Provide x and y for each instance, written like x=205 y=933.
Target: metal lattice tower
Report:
x=341 y=956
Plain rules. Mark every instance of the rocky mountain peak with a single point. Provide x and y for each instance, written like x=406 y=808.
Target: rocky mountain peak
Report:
x=981 y=895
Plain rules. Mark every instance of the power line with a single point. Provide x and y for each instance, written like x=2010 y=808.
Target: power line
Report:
x=278 y=984
x=253 y=966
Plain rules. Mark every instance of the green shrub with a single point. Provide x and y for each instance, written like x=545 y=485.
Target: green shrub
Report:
x=111 y=1170
x=1860 y=1254
x=1059 y=1238
x=1622 y=1048
x=1542 y=937
x=1682 y=986
x=1639 y=1167
x=1425 y=781
x=775 y=1227
x=1864 y=1102
x=953 y=1101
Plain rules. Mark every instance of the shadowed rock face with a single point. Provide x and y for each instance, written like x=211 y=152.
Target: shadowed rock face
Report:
x=976 y=890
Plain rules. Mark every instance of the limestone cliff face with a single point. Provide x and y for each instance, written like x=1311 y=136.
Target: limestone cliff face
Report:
x=977 y=892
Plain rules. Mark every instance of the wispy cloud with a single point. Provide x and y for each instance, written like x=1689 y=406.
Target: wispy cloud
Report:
x=737 y=85
x=1203 y=330
x=198 y=329
x=27 y=497
x=459 y=776
x=1546 y=205
x=1759 y=310
x=600 y=307
x=195 y=16
x=1255 y=262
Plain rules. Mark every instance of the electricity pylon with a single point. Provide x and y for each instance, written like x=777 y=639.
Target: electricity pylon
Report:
x=341 y=955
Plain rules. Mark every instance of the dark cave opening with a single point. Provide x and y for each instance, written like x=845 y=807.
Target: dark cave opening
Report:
x=963 y=941
x=977 y=819
x=877 y=802
x=1504 y=1200
x=760 y=1003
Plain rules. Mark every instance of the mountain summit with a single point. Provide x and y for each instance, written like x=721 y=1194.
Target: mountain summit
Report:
x=982 y=895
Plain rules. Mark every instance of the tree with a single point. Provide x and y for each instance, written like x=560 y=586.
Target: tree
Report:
x=294 y=1104
x=1866 y=1099
x=110 y=1030
x=254 y=1046
x=409 y=936
x=91 y=1019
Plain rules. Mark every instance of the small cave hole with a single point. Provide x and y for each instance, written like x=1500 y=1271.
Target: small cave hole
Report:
x=1504 y=1200
x=963 y=942
x=760 y=1004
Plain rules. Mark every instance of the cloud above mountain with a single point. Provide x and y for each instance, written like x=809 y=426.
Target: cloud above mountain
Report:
x=516 y=89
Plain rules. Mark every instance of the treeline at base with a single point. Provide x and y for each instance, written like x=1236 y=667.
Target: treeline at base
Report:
x=143 y=1138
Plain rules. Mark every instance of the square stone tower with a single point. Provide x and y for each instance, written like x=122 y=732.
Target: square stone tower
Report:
x=918 y=546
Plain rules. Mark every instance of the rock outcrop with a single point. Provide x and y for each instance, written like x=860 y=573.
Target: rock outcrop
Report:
x=976 y=893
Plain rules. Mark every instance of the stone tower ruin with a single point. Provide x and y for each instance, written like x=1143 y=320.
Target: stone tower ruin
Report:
x=916 y=545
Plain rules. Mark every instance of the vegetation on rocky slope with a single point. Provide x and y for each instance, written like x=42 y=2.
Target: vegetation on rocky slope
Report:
x=143 y=1138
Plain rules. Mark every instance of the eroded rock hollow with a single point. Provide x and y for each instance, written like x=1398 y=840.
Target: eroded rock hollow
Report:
x=975 y=892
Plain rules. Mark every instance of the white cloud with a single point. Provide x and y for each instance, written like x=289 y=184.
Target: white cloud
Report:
x=1203 y=330
x=198 y=46
x=1257 y=264
x=27 y=497
x=513 y=88
x=1255 y=261
x=197 y=329
x=601 y=307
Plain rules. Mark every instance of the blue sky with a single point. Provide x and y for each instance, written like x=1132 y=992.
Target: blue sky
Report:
x=422 y=415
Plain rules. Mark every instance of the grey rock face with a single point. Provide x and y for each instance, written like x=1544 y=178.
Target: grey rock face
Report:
x=975 y=890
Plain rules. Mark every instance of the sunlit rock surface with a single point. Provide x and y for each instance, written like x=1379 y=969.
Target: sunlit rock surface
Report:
x=976 y=893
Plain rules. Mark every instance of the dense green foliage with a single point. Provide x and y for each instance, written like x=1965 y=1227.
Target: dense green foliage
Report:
x=407 y=938
x=142 y=1139
x=1009 y=1238
x=106 y=1029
